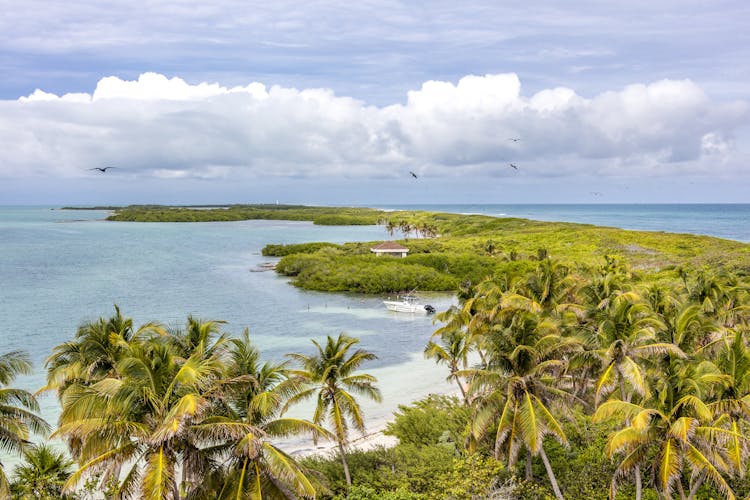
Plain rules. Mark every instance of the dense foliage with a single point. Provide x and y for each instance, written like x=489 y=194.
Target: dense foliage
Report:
x=330 y=216
x=18 y=419
x=282 y=250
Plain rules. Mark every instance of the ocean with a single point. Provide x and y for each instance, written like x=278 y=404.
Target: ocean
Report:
x=61 y=268
x=729 y=221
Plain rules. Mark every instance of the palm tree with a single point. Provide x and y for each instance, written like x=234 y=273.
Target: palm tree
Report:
x=17 y=420
x=516 y=389
x=331 y=375
x=672 y=430
x=255 y=394
x=42 y=474
x=390 y=227
x=453 y=350
x=550 y=285
x=405 y=227
x=626 y=334
x=142 y=419
x=200 y=335
x=730 y=402
x=95 y=352
x=721 y=297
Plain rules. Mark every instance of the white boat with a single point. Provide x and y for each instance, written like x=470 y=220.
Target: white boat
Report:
x=408 y=304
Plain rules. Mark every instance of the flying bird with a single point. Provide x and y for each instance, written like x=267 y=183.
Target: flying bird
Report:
x=101 y=169
x=513 y=166
x=514 y=139
x=413 y=174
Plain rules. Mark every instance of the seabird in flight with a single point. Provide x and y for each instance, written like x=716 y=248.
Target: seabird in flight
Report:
x=101 y=169
x=513 y=166
x=413 y=174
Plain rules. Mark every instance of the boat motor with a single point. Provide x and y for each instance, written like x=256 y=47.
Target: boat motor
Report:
x=429 y=309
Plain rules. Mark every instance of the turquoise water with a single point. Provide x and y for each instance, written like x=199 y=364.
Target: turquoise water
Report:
x=60 y=268
x=729 y=221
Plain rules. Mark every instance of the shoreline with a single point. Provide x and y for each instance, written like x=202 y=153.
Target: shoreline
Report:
x=371 y=440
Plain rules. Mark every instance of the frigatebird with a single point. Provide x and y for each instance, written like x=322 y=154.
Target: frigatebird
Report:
x=413 y=174
x=513 y=166
x=101 y=169
x=514 y=139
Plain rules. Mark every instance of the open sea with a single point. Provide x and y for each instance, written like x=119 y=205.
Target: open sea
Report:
x=61 y=268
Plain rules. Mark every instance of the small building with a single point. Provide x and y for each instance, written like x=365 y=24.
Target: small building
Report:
x=389 y=248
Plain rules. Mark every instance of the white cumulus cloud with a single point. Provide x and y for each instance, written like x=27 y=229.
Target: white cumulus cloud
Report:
x=163 y=127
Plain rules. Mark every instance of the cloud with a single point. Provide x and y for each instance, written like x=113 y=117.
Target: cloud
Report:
x=166 y=128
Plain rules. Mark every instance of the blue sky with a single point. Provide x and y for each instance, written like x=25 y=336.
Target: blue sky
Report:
x=336 y=102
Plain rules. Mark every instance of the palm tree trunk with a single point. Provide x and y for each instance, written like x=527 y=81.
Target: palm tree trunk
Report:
x=461 y=387
x=550 y=474
x=694 y=488
x=626 y=397
x=623 y=392
x=528 y=465
x=680 y=490
x=346 y=466
x=638 y=484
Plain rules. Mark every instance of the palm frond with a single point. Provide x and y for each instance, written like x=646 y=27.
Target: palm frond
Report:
x=668 y=466
x=700 y=462
x=158 y=476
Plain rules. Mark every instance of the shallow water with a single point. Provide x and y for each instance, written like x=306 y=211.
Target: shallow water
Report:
x=61 y=268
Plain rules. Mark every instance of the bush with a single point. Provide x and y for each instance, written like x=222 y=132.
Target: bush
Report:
x=307 y=248
x=330 y=270
x=408 y=472
x=431 y=421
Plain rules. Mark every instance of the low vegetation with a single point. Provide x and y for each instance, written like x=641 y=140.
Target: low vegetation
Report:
x=461 y=250
x=331 y=216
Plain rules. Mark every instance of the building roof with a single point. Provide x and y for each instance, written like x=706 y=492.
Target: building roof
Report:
x=389 y=246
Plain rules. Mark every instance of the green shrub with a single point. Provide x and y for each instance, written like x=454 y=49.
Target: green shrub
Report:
x=426 y=422
x=283 y=250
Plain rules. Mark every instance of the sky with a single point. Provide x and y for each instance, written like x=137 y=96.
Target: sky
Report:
x=338 y=102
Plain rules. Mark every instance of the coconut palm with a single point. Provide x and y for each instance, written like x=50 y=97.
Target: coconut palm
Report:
x=331 y=375
x=516 y=389
x=405 y=227
x=721 y=297
x=627 y=333
x=670 y=432
x=42 y=474
x=550 y=285
x=142 y=420
x=390 y=227
x=95 y=352
x=93 y=356
x=198 y=334
x=453 y=351
x=730 y=403
x=17 y=407
x=243 y=438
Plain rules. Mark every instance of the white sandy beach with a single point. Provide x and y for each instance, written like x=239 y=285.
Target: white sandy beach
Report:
x=374 y=439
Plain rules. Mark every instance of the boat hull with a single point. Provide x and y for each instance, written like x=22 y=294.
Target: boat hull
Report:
x=403 y=307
